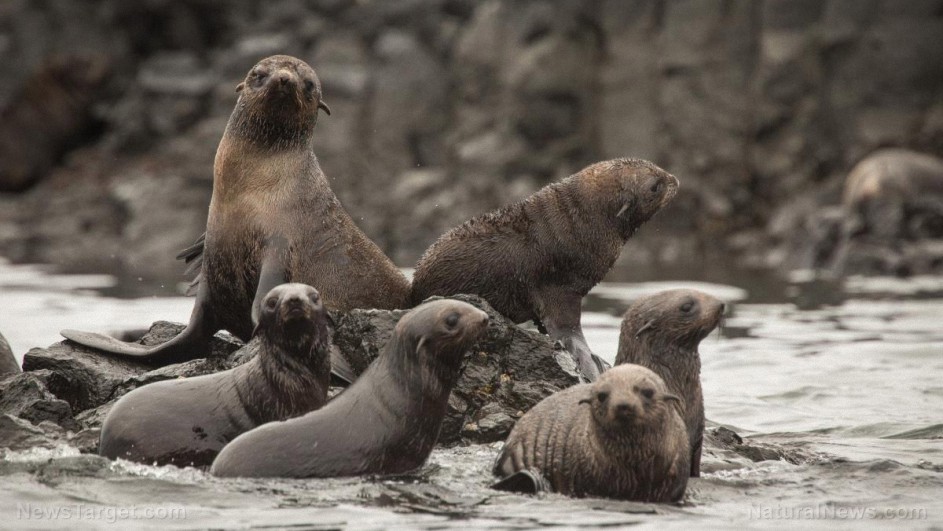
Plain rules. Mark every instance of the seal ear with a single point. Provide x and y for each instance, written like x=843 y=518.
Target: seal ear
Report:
x=323 y=106
x=647 y=326
x=241 y=86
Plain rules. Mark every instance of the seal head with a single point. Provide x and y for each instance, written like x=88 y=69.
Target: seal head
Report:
x=278 y=103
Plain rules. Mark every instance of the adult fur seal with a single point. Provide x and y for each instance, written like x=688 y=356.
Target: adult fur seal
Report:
x=186 y=422
x=662 y=332
x=536 y=259
x=386 y=422
x=273 y=218
x=620 y=437
x=8 y=364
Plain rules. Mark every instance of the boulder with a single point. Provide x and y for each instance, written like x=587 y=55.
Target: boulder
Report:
x=27 y=396
x=505 y=374
x=8 y=364
x=18 y=434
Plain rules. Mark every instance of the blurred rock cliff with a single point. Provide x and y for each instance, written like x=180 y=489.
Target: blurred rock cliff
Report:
x=443 y=109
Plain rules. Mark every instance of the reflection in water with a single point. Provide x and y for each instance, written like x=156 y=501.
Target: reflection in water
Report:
x=845 y=376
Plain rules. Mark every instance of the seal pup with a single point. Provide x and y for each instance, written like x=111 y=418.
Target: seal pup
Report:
x=8 y=364
x=621 y=437
x=386 y=422
x=187 y=421
x=537 y=259
x=662 y=332
x=272 y=219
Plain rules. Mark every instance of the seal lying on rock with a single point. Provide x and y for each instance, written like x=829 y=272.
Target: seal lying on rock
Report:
x=8 y=364
x=536 y=259
x=662 y=332
x=386 y=422
x=186 y=422
x=620 y=437
x=273 y=218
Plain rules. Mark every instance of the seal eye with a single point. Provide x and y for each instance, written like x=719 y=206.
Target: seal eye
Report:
x=309 y=85
x=687 y=307
x=451 y=320
x=656 y=188
x=602 y=396
x=271 y=303
x=648 y=393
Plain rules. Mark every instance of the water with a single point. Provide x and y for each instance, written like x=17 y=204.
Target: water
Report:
x=845 y=376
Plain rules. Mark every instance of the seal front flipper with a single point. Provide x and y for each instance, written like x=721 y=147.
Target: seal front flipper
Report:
x=524 y=481
x=193 y=257
x=558 y=309
x=190 y=344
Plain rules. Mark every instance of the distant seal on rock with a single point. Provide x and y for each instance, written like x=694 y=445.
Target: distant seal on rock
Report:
x=536 y=259
x=273 y=218
x=895 y=193
x=8 y=364
x=186 y=422
x=621 y=437
x=386 y=422
x=662 y=332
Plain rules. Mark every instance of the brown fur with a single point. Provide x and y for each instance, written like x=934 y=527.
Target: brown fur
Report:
x=620 y=437
x=387 y=422
x=536 y=259
x=662 y=332
x=187 y=421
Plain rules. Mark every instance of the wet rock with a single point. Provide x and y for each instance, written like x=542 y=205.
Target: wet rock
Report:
x=28 y=397
x=18 y=434
x=86 y=378
x=8 y=364
x=86 y=441
x=506 y=373
x=724 y=449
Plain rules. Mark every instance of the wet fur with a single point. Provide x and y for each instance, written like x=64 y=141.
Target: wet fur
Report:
x=186 y=422
x=570 y=440
x=536 y=259
x=386 y=422
x=657 y=335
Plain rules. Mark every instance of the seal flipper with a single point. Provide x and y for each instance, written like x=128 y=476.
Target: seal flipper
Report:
x=524 y=481
x=558 y=309
x=193 y=257
x=341 y=370
x=190 y=344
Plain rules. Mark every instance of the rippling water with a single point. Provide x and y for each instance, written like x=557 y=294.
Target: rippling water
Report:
x=846 y=375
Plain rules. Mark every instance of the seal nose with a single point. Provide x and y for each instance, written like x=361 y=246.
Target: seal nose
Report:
x=624 y=409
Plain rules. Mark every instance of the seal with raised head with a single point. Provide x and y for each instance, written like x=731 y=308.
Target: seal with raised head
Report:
x=537 y=259
x=386 y=422
x=186 y=422
x=662 y=332
x=620 y=437
x=8 y=364
x=272 y=219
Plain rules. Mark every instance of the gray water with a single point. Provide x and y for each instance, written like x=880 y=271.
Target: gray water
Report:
x=845 y=375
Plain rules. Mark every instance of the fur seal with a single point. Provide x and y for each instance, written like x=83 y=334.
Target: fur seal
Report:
x=662 y=332
x=8 y=364
x=894 y=193
x=272 y=219
x=536 y=259
x=620 y=437
x=186 y=422
x=386 y=422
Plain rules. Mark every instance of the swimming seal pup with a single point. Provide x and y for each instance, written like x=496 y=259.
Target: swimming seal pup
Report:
x=8 y=364
x=272 y=219
x=662 y=332
x=386 y=422
x=537 y=259
x=621 y=437
x=187 y=421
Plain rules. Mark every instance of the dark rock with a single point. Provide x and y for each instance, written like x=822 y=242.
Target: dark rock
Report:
x=18 y=434
x=28 y=397
x=86 y=441
x=86 y=379
x=8 y=364
x=724 y=449
x=505 y=373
